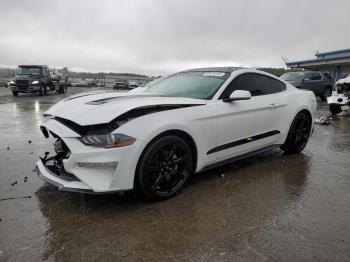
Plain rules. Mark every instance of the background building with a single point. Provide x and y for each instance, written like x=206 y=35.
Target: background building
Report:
x=335 y=62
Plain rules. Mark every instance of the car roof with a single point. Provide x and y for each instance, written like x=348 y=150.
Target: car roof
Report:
x=214 y=69
x=307 y=71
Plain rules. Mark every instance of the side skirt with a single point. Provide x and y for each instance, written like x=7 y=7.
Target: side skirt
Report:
x=240 y=157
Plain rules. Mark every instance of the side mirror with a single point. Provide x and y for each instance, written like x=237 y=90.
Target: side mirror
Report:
x=238 y=95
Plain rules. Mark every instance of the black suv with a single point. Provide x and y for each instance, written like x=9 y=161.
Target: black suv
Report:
x=321 y=83
x=31 y=79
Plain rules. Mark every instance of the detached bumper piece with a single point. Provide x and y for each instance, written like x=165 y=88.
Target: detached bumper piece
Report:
x=64 y=182
x=51 y=169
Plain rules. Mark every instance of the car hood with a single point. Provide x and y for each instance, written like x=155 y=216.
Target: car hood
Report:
x=345 y=80
x=98 y=108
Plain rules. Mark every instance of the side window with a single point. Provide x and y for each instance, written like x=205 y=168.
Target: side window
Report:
x=256 y=84
x=307 y=76
x=328 y=76
x=316 y=76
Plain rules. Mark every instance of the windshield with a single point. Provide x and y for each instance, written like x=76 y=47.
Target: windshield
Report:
x=29 y=71
x=293 y=76
x=200 y=85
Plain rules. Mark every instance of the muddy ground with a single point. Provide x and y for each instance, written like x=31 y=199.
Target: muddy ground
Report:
x=274 y=207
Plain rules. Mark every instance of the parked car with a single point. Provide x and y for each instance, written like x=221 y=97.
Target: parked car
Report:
x=120 y=84
x=186 y=123
x=340 y=98
x=133 y=84
x=79 y=83
x=321 y=83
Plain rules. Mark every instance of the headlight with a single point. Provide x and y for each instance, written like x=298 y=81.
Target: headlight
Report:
x=12 y=82
x=108 y=140
x=35 y=82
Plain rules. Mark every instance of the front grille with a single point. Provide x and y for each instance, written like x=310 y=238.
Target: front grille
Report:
x=22 y=82
x=22 y=88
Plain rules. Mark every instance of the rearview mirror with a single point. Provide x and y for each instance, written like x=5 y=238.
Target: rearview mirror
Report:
x=238 y=95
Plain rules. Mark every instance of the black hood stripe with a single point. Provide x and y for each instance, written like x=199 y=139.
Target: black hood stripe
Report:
x=82 y=95
x=106 y=128
x=117 y=98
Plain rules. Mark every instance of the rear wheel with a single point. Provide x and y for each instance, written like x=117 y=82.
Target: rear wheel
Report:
x=298 y=134
x=335 y=109
x=164 y=167
x=15 y=93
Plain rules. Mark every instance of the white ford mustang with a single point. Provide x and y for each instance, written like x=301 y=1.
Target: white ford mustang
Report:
x=186 y=123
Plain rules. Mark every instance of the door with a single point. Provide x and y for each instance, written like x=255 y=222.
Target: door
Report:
x=248 y=125
x=308 y=82
x=318 y=83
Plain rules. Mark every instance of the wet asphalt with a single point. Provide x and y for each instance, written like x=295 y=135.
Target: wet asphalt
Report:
x=273 y=207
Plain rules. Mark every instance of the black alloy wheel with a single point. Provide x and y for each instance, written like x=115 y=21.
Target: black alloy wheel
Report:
x=298 y=134
x=165 y=167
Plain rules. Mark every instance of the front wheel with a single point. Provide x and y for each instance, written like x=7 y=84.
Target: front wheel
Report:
x=41 y=91
x=335 y=109
x=15 y=93
x=164 y=167
x=298 y=134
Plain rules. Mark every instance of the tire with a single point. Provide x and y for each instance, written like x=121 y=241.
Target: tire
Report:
x=298 y=134
x=335 y=109
x=15 y=93
x=45 y=90
x=326 y=93
x=164 y=167
x=41 y=91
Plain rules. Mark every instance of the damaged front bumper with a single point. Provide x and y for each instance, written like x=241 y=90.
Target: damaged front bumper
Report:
x=59 y=181
x=80 y=168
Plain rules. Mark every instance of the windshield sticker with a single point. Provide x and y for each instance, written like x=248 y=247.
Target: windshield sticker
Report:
x=217 y=74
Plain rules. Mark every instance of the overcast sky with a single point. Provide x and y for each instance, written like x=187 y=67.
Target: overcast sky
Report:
x=164 y=36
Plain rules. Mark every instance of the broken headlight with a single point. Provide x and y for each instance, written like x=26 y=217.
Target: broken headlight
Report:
x=108 y=140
